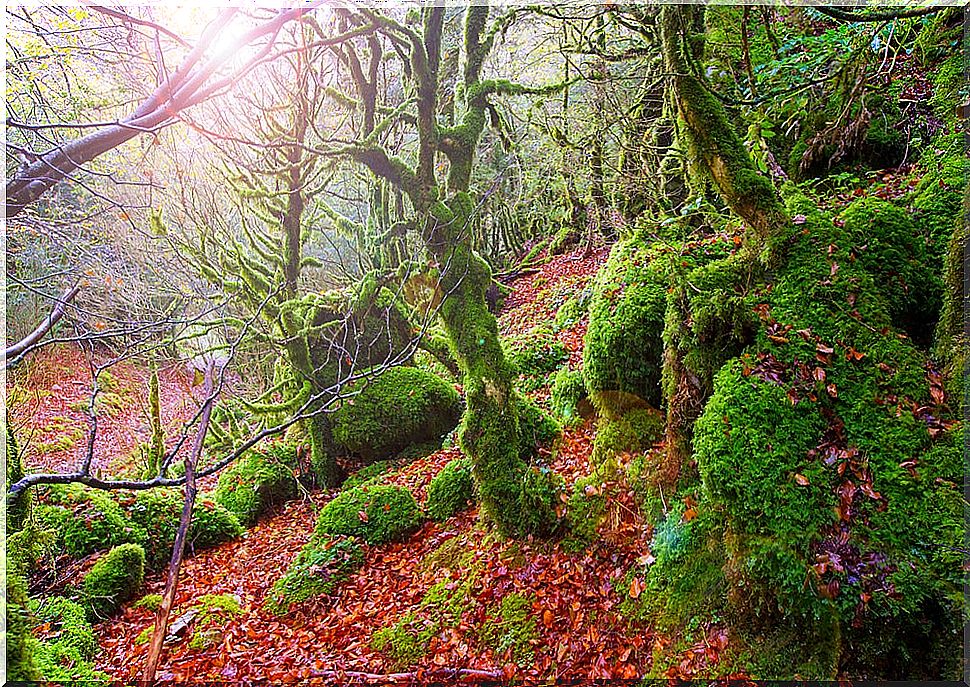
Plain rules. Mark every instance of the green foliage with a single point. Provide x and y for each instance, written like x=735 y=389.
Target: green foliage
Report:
x=512 y=629
x=451 y=490
x=319 y=568
x=402 y=406
x=622 y=356
x=113 y=580
x=61 y=663
x=88 y=520
x=254 y=485
x=377 y=514
x=212 y=613
x=889 y=247
x=568 y=390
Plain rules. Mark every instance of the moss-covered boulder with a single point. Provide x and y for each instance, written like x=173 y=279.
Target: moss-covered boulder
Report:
x=567 y=394
x=623 y=353
x=19 y=641
x=400 y=407
x=68 y=625
x=820 y=449
x=886 y=243
x=87 y=520
x=451 y=490
x=319 y=568
x=377 y=514
x=114 y=579
x=254 y=485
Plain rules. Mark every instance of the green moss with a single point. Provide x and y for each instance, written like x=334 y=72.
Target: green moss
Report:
x=68 y=625
x=534 y=355
x=451 y=490
x=568 y=390
x=634 y=431
x=160 y=511
x=113 y=580
x=19 y=511
x=150 y=602
x=319 y=568
x=60 y=663
x=94 y=521
x=402 y=406
x=585 y=511
x=254 y=485
x=889 y=247
x=377 y=514
x=511 y=629
x=573 y=309
x=407 y=640
x=19 y=641
x=622 y=355
x=538 y=432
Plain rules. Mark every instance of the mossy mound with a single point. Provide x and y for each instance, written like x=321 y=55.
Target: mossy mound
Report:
x=254 y=485
x=887 y=244
x=160 y=511
x=68 y=625
x=451 y=490
x=377 y=514
x=633 y=432
x=535 y=355
x=319 y=568
x=622 y=356
x=400 y=407
x=20 y=643
x=817 y=452
x=87 y=520
x=567 y=393
x=114 y=579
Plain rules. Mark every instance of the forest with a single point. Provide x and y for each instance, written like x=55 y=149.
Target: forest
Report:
x=410 y=343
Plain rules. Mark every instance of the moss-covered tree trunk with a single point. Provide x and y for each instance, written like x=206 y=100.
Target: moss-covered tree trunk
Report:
x=719 y=154
x=516 y=497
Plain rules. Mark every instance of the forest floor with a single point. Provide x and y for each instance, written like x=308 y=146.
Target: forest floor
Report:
x=575 y=631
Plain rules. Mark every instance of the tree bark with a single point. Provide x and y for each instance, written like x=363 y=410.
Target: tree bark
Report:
x=178 y=549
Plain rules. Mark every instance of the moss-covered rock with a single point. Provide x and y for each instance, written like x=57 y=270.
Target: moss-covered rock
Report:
x=887 y=244
x=511 y=628
x=114 y=579
x=377 y=514
x=816 y=449
x=68 y=625
x=402 y=406
x=568 y=391
x=535 y=355
x=623 y=352
x=451 y=490
x=254 y=485
x=319 y=568
x=88 y=520
x=632 y=432
x=19 y=641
